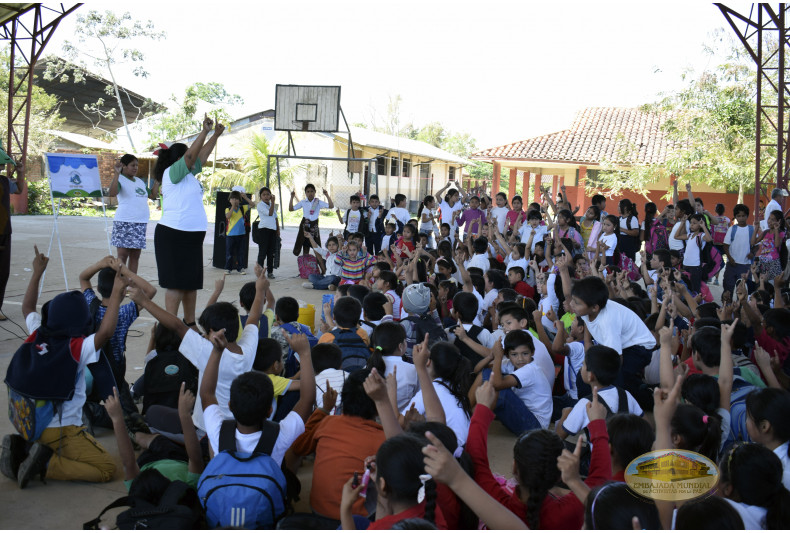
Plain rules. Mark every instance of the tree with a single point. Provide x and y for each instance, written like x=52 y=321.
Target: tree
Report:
x=43 y=112
x=433 y=133
x=461 y=144
x=710 y=126
x=101 y=40
x=184 y=120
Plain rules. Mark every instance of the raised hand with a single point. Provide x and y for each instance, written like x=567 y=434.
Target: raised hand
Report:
x=375 y=387
x=298 y=343
x=420 y=353
x=568 y=463
x=39 y=261
x=208 y=123
x=439 y=462
x=486 y=395
x=412 y=415
x=219 y=129
x=186 y=400
x=218 y=340
x=595 y=409
x=727 y=331
x=330 y=397
x=219 y=284
x=113 y=405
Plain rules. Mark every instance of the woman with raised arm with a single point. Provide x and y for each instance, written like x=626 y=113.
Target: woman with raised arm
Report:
x=178 y=239
x=131 y=217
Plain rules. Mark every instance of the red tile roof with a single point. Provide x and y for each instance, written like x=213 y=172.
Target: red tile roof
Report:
x=614 y=134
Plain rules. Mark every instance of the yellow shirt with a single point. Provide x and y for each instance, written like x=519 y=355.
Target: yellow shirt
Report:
x=280 y=384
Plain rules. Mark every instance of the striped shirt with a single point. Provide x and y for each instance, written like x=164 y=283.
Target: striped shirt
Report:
x=353 y=270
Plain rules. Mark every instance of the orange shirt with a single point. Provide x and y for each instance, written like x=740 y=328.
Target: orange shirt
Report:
x=341 y=444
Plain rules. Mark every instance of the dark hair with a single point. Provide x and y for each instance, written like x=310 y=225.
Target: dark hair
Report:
x=286 y=308
x=508 y=295
x=165 y=339
x=324 y=356
x=453 y=370
x=535 y=454
x=373 y=306
x=391 y=279
x=613 y=506
x=710 y=512
x=518 y=270
x=358 y=292
x=251 y=396
x=629 y=436
x=445 y=263
x=309 y=186
x=664 y=257
x=480 y=245
x=221 y=315
x=592 y=291
x=773 y=406
x=384 y=340
x=399 y=198
x=373 y=197
x=701 y=390
x=533 y=215
x=266 y=354
x=343 y=290
x=168 y=157
x=779 y=320
x=465 y=304
x=614 y=220
x=685 y=206
x=719 y=209
x=346 y=312
x=104 y=281
x=497 y=278
x=399 y=461
x=247 y=295
x=127 y=158
x=517 y=338
x=567 y=215
x=354 y=198
x=650 y=214
x=451 y=287
x=382 y=266
x=516 y=311
x=699 y=432
x=709 y=310
x=706 y=341
x=445 y=225
x=428 y=199
x=333 y=239
x=755 y=473
x=234 y=194
x=413 y=523
x=354 y=400
x=597 y=199
x=479 y=282
x=596 y=211
x=740 y=208
x=604 y=362
x=260 y=191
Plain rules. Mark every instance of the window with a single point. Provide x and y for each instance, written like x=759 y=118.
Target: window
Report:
x=394 y=166
x=406 y=168
x=451 y=174
x=381 y=165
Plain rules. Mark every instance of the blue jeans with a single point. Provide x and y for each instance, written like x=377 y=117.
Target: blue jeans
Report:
x=511 y=411
x=732 y=273
x=322 y=283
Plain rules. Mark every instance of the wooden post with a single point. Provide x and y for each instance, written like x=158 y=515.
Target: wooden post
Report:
x=554 y=187
x=497 y=172
x=511 y=186
x=580 y=188
x=525 y=189
x=538 y=185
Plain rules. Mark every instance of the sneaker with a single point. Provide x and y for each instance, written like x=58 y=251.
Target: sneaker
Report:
x=12 y=455
x=332 y=288
x=715 y=282
x=243 y=271
x=270 y=275
x=35 y=464
x=228 y=272
x=307 y=285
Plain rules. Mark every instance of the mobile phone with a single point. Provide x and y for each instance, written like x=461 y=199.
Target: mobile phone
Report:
x=365 y=479
x=355 y=482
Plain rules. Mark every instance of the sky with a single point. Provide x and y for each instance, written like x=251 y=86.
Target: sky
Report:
x=500 y=70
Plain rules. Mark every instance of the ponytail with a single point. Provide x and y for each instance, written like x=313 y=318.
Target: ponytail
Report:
x=391 y=280
x=454 y=370
x=166 y=158
x=384 y=340
x=650 y=214
x=700 y=432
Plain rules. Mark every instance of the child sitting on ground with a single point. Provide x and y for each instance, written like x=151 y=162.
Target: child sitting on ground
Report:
x=286 y=312
x=327 y=360
x=331 y=278
x=374 y=311
x=352 y=339
x=389 y=340
x=268 y=361
x=353 y=264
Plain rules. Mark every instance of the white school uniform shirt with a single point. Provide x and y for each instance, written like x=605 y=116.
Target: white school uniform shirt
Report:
x=408 y=384
x=457 y=419
x=489 y=298
x=447 y=213
x=427 y=227
x=610 y=241
x=526 y=231
x=532 y=389
x=578 y=420
x=386 y=242
x=550 y=301
x=571 y=366
x=617 y=327
x=500 y=213
x=353 y=220
x=692 y=255
x=396 y=303
x=400 y=214
x=197 y=350
x=373 y=216
x=510 y=262
x=740 y=244
x=332 y=268
x=72 y=409
x=337 y=378
x=481 y=309
x=132 y=201
x=676 y=244
x=781 y=452
x=485 y=337
x=311 y=210
x=753 y=516
x=480 y=261
x=541 y=356
x=267 y=221
x=290 y=428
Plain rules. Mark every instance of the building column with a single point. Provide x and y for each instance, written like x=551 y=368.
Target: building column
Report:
x=511 y=186
x=538 y=185
x=580 y=188
x=554 y=187
x=497 y=172
x=525 y=188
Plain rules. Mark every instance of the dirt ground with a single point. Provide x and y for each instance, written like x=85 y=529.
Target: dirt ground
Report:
x=67 y=505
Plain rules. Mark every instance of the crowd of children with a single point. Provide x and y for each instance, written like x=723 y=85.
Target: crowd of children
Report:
x=592 y=339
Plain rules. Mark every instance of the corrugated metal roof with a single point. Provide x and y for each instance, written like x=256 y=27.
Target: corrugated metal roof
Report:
x=9 y=11
x=392 y=143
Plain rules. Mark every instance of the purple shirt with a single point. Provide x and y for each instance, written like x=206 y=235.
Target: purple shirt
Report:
x=469 y=219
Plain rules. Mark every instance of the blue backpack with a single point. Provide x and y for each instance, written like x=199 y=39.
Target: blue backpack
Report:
x=355 y=352
x=740 y=390
x=292 y=362
x=243 y=490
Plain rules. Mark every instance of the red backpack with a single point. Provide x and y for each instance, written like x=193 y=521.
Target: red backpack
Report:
x=658 y=239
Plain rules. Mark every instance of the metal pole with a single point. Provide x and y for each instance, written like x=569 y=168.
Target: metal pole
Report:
x=758 y=147
x=780 y=122
x=280 y=187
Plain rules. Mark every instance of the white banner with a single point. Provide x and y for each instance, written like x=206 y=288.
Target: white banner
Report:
x=72 y=175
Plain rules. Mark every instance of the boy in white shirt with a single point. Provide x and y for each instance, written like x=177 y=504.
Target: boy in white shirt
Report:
x=327 y=359
x=533 y=232
x=311 y=210
x=480 y=258
x=399 y=214
x=331 y=279
x=354 y=218
x=738 y=247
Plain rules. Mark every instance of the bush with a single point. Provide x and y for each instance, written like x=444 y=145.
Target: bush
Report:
x=40 y=203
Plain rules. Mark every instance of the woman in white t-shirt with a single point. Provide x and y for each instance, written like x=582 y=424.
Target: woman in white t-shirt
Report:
x=178 y=238
x=131 y=217
x=311 y=210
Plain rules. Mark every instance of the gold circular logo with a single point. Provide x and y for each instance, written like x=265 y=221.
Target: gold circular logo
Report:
x=672 y=475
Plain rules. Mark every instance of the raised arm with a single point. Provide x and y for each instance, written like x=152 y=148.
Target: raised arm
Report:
x=691 y=195
x=291 y=201
x=167 y=319
x=107 y=328
x=666 y=367
x=376 y=389
x=113 y=406
x=208 y=387
x=207 y=148
x=193 y=152
x=113 y=190
x=300 y=345
x=250 y=201
x=186 y=402
x=725 y=365
x=328 y=199
x=261 y=290
x=138 y=282
x=434 y=412
x=219 y=284
x=87 y=274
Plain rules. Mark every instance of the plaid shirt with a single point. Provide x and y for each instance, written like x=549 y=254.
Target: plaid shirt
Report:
x=127 y=314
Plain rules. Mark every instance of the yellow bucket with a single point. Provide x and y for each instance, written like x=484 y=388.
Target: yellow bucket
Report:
x=307 y=315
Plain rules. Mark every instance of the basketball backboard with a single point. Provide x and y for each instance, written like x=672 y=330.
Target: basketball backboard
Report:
x=307 y=108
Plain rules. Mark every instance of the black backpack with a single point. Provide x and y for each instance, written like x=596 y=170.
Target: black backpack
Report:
x=163 y=376
x=355 y=352
x=179 y=508
x=465 y=350
x=426 y=324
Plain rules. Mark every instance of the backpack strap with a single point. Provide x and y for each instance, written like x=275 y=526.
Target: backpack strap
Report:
x=227 y=436
x=174 y=493
x=622 y=401
x=269 y=433
x=93 y=308
x=124 y=501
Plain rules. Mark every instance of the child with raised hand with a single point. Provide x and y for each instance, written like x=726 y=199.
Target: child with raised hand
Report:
x=331 y=279
x=354 y=219
x=443 y=467
x=538 y=499
x=389 y=347
x=174 y=461
x=352 y=264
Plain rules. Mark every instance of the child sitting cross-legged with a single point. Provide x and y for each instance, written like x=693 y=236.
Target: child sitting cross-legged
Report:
x=331 y=279
x=327 y=360
x=389 y=341
x=525 y=400
x=286 y=390
x=286 y=315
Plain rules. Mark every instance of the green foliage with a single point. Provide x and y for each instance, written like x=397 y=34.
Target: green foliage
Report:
x=43 y=112
x=184 y=120
x=102 y=43
x=40 y=203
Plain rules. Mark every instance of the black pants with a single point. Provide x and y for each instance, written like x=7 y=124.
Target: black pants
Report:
x=5 y=264
x=266 y=248
x=373 y=242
